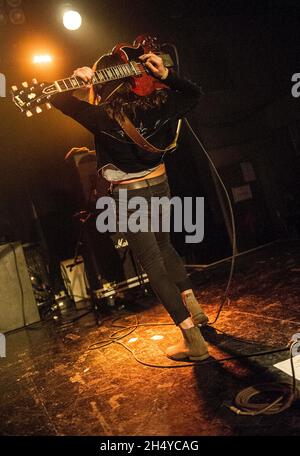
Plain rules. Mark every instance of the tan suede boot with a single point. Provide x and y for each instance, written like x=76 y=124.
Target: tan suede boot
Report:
x=193 y=346
x=195 y=309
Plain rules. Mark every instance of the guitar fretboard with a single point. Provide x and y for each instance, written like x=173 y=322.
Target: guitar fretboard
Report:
x=108 y=74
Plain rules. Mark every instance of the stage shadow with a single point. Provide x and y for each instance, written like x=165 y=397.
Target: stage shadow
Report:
x=219 y=382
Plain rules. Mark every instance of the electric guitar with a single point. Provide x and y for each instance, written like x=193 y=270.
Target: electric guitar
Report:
x=30 y=98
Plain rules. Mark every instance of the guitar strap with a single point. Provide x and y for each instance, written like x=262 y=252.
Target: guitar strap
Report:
x=130 y=130
x=140 y=141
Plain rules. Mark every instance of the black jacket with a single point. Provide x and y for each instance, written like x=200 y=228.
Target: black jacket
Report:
x=156 y=125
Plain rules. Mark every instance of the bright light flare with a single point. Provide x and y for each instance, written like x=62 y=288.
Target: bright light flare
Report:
x=72 y=20
x=42 y=59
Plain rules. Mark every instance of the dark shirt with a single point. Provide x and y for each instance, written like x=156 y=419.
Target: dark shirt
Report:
x=157 y=125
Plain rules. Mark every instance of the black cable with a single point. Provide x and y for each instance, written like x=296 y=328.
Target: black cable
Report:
x=243 y=405
x=201 y=363
x=245 y=341
x=287 y=395
x=244 y=114
x=244 y=397
x=115 y=338
x=225 y=297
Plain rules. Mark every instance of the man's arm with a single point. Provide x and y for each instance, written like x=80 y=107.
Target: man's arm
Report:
x=184 y=94
x=94 y=118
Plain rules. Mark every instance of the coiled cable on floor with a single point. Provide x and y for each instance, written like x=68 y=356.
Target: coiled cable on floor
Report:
x=244 y=404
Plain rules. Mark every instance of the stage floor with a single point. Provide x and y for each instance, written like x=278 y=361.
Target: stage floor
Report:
x=54 y=381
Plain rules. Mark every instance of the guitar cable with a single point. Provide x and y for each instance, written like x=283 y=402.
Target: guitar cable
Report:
x=225 y=298
x=243 y=403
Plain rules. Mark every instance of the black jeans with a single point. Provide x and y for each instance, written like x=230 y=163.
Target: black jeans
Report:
x=157 y=256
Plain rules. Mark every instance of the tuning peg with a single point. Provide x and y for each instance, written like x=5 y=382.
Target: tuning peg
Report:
x=29 y=114
x=38 y=110
x=25 y=84
x=14 y=88
x=34 y=81
x=48 y=105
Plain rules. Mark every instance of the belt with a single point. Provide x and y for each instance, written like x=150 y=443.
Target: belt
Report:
x=140 y=184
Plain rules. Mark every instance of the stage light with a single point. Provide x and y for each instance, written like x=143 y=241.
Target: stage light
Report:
x=72 y=20
x=42 y=59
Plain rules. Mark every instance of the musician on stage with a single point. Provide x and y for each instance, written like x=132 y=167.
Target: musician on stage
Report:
x=126 y=165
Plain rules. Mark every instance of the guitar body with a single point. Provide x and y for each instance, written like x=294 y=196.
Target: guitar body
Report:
x=144 y=84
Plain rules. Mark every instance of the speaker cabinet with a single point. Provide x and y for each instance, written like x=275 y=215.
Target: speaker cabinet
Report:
x=18 y=307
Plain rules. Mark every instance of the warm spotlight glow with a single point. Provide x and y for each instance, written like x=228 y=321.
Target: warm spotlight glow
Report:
x=72 y=20
x=42 y=58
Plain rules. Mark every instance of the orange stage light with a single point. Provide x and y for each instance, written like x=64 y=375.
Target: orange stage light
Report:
x=38 y=59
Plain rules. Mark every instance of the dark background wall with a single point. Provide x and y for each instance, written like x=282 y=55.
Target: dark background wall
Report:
x=243 y=54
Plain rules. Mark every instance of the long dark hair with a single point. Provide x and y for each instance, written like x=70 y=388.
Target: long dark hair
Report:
x=118 y=97
x=125 y=101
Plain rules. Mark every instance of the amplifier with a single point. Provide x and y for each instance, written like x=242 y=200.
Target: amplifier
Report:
x=18 y=307
x=109 y=263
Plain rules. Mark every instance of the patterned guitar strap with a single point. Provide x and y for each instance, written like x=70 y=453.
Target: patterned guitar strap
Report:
x=142 y=142
x=130 y=130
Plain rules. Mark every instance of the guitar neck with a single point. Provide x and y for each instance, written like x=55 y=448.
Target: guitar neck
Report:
x=31 y=97
x=100 y=76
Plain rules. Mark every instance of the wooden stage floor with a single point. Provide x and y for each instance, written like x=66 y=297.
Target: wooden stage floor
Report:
x=56 y=380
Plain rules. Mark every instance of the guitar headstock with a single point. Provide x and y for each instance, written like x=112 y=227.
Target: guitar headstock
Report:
x=30 y=97
x=148 y=42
